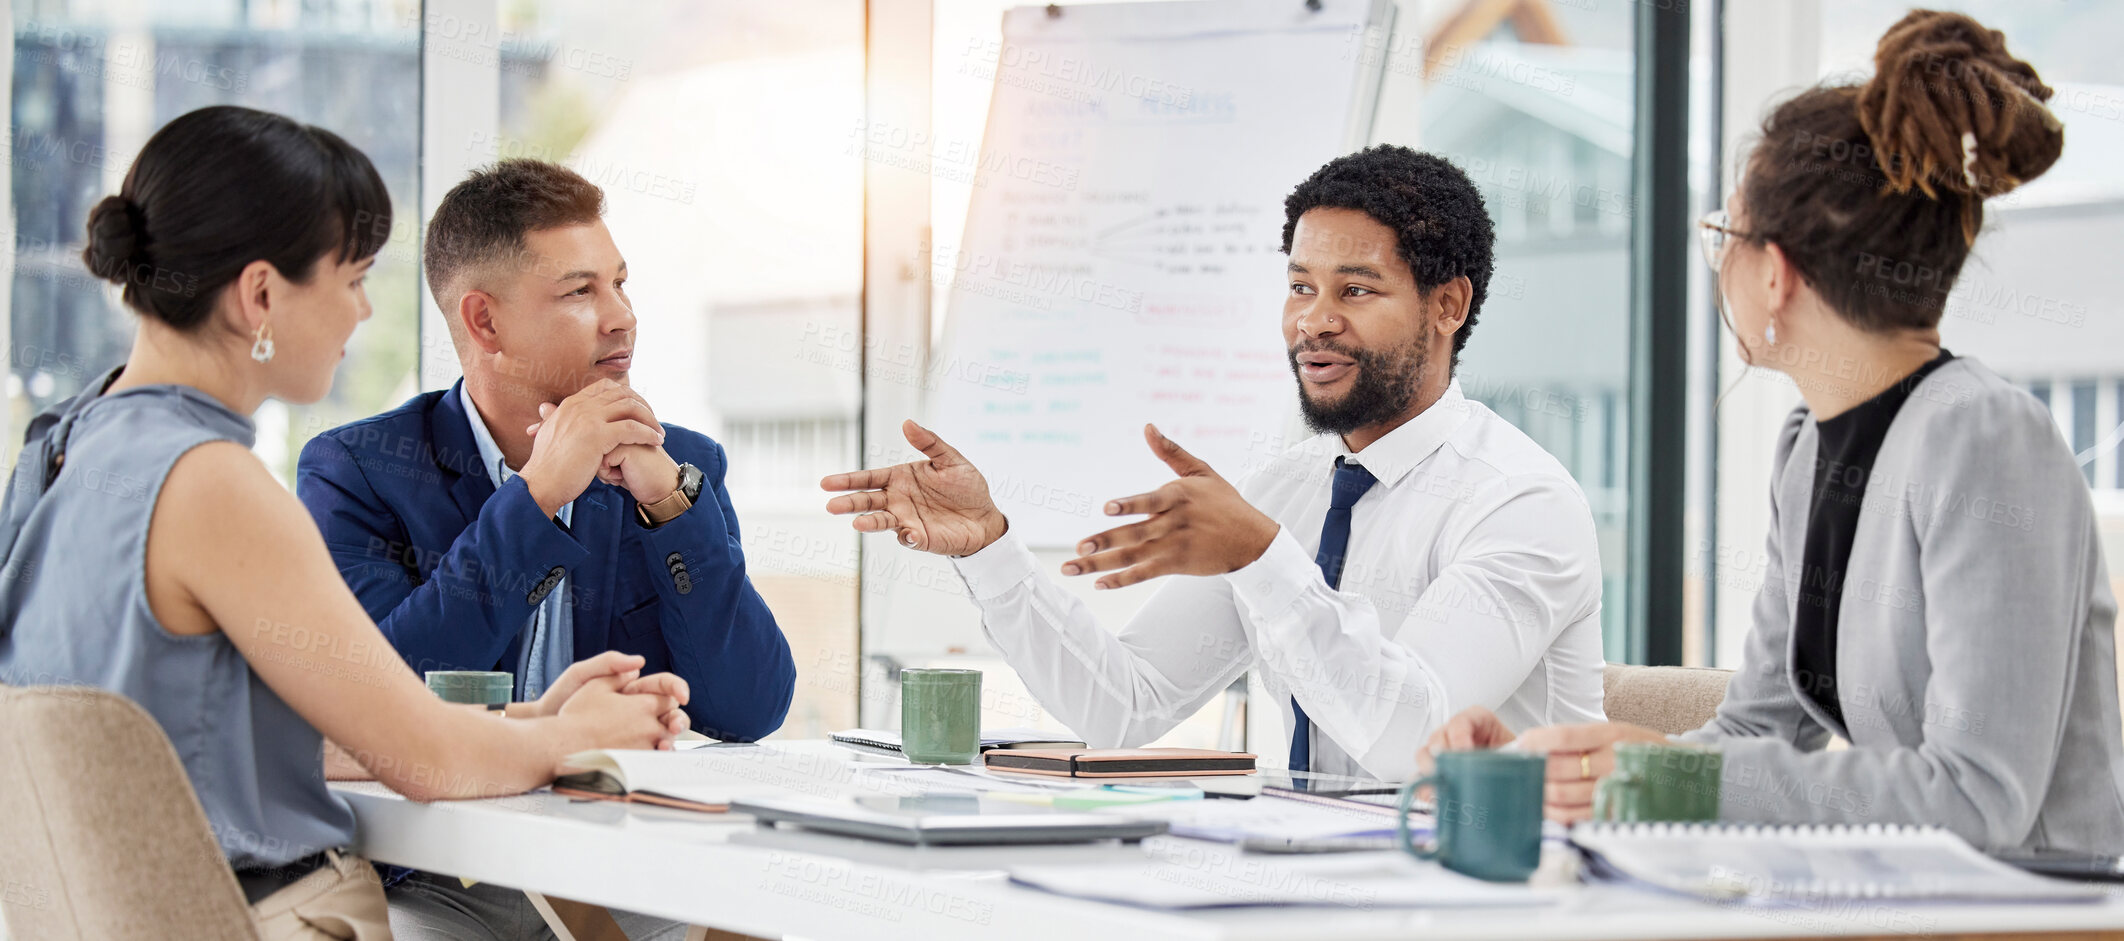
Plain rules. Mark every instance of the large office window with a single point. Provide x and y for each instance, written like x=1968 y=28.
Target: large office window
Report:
x=1535 y=101
x=92 y=81
x=719 y=132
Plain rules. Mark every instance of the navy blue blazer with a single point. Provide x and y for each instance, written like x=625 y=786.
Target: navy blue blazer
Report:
x=452 y=568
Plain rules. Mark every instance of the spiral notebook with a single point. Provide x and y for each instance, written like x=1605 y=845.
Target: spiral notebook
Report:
x=1799 y=864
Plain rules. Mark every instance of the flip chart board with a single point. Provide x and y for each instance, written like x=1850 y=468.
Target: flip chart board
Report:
x=1120 y=262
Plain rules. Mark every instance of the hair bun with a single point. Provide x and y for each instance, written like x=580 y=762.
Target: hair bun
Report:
x=1950 y=109
x=115 y=237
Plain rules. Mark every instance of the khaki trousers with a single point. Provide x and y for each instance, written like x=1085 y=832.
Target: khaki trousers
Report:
x=342 y=901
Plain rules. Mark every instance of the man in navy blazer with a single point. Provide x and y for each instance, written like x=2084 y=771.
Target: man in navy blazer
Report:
x=537 y=513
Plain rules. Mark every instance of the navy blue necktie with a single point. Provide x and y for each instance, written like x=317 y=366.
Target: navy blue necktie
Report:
x=1351 y=481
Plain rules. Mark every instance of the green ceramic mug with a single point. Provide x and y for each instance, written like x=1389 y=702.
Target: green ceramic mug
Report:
x=1488 y=807
x=477 y=687
x=1655 y=781
x=940 y=716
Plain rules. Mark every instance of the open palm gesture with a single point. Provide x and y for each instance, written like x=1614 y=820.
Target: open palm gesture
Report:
x=940 y=505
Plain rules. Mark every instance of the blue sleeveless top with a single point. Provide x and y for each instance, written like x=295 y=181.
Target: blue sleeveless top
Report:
x=74 y=611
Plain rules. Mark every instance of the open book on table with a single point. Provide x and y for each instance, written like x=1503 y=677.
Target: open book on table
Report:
x=681 y=779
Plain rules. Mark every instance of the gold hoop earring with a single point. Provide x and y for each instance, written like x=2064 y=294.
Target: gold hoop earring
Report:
x=261 y=345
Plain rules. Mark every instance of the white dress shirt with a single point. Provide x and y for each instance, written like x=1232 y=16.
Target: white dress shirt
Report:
x=1472 y=577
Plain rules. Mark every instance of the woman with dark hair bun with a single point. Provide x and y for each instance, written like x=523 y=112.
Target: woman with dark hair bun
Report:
x=171 y=567
x=1935 y=592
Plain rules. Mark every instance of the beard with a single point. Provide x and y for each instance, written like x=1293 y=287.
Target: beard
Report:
x=1386 y=384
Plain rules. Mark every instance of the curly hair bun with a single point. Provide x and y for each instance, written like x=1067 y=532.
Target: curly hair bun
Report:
x=115 y=239
x=1949 y=109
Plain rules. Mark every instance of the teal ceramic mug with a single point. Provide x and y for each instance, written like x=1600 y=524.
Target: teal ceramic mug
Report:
x=1488 y=807
x=476 y=687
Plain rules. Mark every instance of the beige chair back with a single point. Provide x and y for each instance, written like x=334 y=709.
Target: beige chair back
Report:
x=1672 y=700
x=100 y=834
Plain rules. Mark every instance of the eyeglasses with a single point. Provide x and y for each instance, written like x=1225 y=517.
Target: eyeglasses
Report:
x=1715 y=234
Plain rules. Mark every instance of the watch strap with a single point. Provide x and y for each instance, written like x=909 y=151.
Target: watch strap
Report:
x=679 y=501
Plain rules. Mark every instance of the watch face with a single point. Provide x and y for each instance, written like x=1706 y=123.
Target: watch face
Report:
x=690 y=482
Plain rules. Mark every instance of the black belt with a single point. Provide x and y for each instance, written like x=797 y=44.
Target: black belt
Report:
x=261 y=881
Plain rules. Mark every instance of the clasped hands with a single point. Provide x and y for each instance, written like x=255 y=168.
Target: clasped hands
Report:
x=621 y=673
x=1198 y=524
x=606 y=431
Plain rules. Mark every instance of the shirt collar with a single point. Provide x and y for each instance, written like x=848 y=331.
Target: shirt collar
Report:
x=490 y=455
x=1398 y=452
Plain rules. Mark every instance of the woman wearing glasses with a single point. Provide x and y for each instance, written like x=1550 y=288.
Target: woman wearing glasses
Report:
x=1935 y=592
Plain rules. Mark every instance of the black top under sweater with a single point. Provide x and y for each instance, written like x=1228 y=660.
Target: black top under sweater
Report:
x=1843 y=459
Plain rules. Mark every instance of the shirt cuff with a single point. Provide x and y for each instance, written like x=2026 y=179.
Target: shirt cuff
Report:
x=999 y=567
x=1273 y=582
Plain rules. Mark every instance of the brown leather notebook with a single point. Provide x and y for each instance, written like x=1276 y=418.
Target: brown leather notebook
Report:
x=1120 y=762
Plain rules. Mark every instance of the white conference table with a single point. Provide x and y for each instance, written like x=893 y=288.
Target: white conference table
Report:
x=727 y=872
